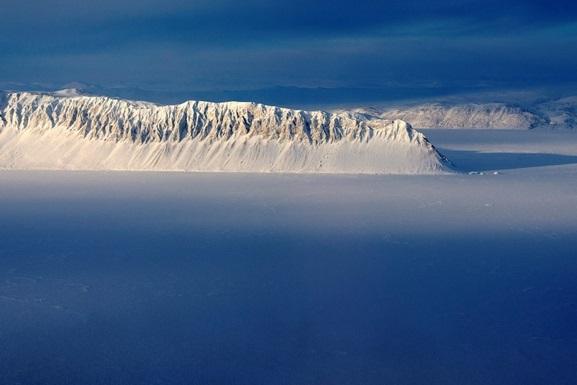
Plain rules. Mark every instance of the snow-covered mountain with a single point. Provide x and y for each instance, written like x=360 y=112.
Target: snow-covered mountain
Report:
x=491 y=115
x=559 y=114
x=65 y=130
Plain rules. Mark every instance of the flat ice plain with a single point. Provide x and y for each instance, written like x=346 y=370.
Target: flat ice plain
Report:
x=174 y=278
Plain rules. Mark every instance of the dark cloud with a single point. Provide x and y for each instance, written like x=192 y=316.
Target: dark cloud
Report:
x=255 y=43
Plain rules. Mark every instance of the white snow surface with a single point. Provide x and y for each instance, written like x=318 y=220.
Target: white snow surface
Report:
x=65 y=130
x=309 y=279
x=557 y=113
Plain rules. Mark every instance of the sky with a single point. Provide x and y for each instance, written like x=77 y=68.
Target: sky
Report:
x=293 y=48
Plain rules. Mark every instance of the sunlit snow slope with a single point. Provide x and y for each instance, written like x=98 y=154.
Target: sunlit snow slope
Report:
x=69 y=131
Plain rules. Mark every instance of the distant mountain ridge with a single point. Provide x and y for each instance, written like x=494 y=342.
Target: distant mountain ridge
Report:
x=65 y=130
x=557 y=114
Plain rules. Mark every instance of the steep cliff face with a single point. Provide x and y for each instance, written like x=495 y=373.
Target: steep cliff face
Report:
x=85 y=132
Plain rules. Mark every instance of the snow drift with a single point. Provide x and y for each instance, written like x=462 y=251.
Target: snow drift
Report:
x=69 y=131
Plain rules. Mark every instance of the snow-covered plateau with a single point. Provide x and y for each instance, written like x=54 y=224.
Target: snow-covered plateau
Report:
x=65 y=130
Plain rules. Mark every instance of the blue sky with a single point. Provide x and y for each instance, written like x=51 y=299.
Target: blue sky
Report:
x=211 y=46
